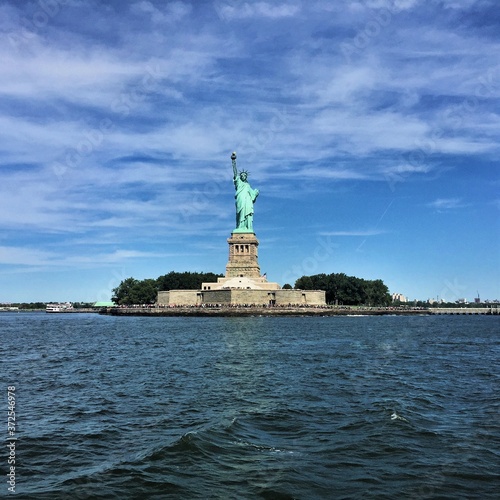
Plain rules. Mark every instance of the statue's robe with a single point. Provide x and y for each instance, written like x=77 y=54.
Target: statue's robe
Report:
x=244 y=199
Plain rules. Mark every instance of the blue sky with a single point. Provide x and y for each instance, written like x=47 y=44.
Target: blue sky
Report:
x=370 y=128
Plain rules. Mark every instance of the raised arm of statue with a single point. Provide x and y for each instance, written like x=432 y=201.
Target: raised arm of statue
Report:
x=235 y=170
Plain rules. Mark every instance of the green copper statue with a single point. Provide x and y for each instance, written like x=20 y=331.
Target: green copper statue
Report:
x=245 y=197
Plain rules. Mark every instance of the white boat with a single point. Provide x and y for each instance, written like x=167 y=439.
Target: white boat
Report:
x=56 y=308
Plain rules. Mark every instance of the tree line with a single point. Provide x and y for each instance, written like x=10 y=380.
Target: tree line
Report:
x=347 y=290
x=132 y=291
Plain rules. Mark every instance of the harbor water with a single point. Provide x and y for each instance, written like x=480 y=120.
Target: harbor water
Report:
x=384 y=407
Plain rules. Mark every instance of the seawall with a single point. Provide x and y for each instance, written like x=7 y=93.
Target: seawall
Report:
x=465 y=310
x=258 y=311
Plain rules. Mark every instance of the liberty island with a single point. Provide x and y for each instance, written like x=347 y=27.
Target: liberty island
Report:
x=243 y=290
x=243 y=282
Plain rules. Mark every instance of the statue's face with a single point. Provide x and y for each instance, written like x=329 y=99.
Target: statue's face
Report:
x=243 y=176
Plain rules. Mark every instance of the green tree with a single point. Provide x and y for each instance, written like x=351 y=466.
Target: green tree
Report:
x=377 y=293
x=131 y=291
x=304 y=283
x=347 y=290
x=185 y=281
x=31 y=305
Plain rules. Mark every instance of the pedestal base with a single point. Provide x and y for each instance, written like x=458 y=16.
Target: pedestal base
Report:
x=243 y=256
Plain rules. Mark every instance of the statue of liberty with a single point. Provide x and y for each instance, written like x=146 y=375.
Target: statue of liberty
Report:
x=245 y=197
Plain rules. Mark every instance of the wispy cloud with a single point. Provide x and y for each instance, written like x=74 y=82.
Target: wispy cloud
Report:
x=447 y=203
x=25 y=256
x=56 y=259
x=243 y=10
x=170 y=13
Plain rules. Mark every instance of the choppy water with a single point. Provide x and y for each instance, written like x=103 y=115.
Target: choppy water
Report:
x=254 y=407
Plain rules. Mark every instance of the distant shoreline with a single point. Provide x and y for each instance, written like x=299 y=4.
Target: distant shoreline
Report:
x=66 y=311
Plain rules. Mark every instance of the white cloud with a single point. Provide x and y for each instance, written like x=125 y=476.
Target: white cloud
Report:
x=447 y=203
x=115 y=257
x=460 y=4
x=406 y=169
x=243 y=10
x=169 y=13
x=323 y=173
x=26 y=256
x=14 y=255
x=56 y=73
x=392 y=5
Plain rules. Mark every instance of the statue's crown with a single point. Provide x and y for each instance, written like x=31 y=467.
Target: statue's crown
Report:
x=244 y=172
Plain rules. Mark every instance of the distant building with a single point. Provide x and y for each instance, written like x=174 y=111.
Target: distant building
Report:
x=399 y=297
x=8 y=307
x=100 y=304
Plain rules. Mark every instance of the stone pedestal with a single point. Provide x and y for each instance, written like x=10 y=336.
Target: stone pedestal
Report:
x=243 y=256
